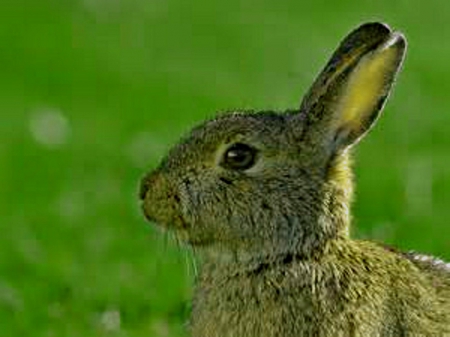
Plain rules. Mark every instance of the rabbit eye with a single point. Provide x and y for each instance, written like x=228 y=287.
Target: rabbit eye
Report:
x=239 y=157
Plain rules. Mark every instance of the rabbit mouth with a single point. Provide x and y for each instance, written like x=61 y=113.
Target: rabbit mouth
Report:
x=176 y=223
x=157 y=214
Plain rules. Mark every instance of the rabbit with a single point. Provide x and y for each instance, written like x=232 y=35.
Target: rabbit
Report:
x=264 y=200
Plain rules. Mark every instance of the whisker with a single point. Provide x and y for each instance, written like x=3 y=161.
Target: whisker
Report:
x=191 y=263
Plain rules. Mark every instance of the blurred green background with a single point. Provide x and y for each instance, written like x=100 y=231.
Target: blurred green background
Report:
x=93 y=92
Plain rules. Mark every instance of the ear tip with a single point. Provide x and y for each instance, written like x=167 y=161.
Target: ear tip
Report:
x=367 y=36
x=398 y=41
x=375 y=25
x=374 y=28
x=381 y=28
x=384 y=34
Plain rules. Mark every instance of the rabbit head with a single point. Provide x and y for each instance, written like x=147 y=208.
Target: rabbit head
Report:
x=271 y=183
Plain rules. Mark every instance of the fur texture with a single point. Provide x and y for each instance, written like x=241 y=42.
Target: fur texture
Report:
x=272 y=223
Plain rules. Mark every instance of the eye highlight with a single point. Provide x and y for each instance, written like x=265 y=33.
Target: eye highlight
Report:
x=239 y=157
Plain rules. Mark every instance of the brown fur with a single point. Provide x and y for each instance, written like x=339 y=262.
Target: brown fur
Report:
x=276 y=256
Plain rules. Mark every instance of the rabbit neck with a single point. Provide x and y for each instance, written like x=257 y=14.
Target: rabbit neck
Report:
x=229 y=265
x=247 y=260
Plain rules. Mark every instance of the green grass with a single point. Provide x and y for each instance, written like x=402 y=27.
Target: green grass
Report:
x=93 y=92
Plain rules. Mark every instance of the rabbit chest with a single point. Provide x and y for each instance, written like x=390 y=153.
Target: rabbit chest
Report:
x=291 y=299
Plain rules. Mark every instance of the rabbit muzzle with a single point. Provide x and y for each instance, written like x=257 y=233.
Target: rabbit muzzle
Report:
x=160 y=201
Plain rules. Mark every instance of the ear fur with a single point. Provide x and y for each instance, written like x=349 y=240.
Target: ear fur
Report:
x=350 y=92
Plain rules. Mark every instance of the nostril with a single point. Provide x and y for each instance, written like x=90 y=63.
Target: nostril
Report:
x=152 y=181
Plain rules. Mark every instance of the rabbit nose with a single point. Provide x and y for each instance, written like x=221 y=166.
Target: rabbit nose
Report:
x=146 y=184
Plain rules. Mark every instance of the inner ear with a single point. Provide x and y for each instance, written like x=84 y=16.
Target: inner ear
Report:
x=365 y=90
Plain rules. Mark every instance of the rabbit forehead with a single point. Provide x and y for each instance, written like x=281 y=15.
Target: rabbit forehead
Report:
x=262 y=129
x=227 y=126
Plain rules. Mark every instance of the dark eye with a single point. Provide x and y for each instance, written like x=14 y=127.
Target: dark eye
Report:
x=239 y=156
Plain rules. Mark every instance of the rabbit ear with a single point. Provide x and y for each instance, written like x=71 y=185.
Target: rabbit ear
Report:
x=349 y=94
